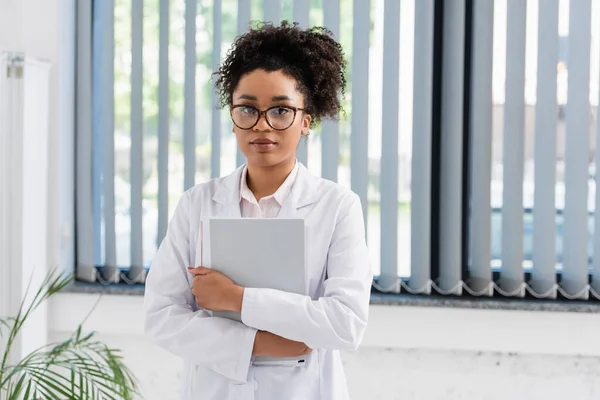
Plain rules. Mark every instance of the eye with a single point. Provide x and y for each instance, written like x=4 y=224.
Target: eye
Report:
x=248 y=110
x=280 y=111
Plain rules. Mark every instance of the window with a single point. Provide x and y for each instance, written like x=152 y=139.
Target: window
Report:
x=163 y=54
x=543 y=127
x=472 y=176
x=561 y=59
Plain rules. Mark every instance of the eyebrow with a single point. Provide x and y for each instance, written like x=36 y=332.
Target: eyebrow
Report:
x=281 y=98
x=274 y=98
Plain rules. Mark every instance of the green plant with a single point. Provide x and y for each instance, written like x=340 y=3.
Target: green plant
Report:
x=78 y=368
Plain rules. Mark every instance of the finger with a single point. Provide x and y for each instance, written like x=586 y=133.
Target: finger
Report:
x=199 y=270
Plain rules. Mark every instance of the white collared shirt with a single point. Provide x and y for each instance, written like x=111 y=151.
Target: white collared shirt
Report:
x=267 y=207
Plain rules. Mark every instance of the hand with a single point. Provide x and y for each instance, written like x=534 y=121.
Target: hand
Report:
x=216 y=292
x=267 y=344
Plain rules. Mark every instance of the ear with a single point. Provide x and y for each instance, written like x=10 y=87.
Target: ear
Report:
x=306 y=124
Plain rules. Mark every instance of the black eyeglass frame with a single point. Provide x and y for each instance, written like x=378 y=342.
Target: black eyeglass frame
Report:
x=264 y=113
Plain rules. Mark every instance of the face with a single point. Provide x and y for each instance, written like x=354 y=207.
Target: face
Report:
x=263 y=145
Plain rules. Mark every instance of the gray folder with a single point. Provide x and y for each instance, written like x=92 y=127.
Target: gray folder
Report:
x=257 y=253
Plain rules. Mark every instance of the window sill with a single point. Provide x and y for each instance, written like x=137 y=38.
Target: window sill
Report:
x=404 y=300
x=97 y=288
x=485 y=303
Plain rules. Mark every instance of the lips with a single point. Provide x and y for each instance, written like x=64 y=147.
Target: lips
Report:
x=263 y=145
x=262 y=141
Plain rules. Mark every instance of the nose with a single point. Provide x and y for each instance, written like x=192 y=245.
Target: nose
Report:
x=262 y=124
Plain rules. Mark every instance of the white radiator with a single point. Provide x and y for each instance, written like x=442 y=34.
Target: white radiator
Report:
x=24 y=104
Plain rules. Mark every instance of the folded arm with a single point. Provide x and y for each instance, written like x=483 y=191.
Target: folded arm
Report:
x=172 y=320
x=339 y=318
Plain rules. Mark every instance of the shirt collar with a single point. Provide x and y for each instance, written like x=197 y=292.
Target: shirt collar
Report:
x=281 y=193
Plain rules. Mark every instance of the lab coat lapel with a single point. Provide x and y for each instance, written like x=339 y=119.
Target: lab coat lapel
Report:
x=304 y=192
x=227 y=195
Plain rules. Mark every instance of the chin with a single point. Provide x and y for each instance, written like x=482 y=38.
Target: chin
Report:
x=266 y=160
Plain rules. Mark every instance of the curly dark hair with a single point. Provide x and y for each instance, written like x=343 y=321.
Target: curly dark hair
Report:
x=311 y=56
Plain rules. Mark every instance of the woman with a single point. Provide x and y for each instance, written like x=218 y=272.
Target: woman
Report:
x=278 y=81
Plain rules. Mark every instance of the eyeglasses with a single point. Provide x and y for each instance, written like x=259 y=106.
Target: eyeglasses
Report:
x=279 y=118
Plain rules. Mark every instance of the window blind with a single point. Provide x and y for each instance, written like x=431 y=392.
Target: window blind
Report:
x=470 y=164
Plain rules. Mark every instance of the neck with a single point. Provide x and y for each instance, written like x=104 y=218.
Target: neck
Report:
x=264 y=181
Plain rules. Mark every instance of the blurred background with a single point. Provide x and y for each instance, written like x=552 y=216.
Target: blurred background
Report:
x=205 y=56
x=469 y=132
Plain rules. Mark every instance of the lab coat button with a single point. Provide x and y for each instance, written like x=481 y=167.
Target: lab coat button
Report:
x=255 y=385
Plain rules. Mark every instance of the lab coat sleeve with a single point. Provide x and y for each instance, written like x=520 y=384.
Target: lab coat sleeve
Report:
x=337 y=320
x=171 y=318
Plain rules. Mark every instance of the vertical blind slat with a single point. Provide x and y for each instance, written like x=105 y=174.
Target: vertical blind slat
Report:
x=420 y=204
x=300 y=14
x=163 y=120
x=330 y=142
x=359 y=138
x=451 y=146
x=96 y=189
x=104 y=124
x=389 y=143
x=481 y=144
x=513 y=162
x=301 y=11
x=544 y=207
x=575 y=270
x=109 y=147
x=215 y=157
x=244 y=18
x=189 y=111
x=272 y=11
x=86 y=270
x=97 y=143
x=137 y=144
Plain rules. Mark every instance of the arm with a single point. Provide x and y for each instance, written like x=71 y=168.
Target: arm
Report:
x=338 y=319
x=171 y=320
x=268 y=344
x=215 y=291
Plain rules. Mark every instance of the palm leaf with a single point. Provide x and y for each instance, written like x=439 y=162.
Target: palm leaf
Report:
x=79 y=367
x=54 y=282
x=103 y=374
x=47 y=380
x=6 y=323
x=17 y=389
x=99 y=374
x=26 y=396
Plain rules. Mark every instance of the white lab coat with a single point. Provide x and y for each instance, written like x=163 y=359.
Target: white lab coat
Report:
x=217 y=351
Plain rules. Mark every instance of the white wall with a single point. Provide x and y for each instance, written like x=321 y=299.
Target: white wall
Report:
x=435 y=328
x=408 y=352
x=406 y=374
x=39 y=29
x=10 y=29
